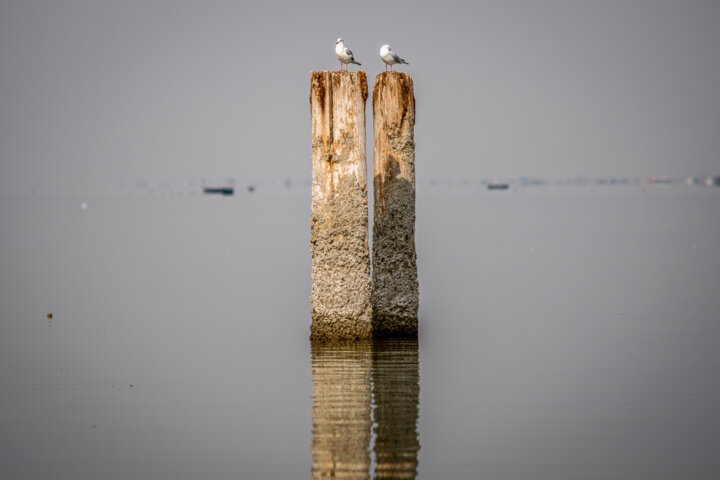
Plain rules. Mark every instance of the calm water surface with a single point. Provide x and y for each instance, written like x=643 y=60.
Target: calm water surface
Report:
x=565 y=333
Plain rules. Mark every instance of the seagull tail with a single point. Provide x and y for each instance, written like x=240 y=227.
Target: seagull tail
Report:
x=404 y=61
x=356 y=63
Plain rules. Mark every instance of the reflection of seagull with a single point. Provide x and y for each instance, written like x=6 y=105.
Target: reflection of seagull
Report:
x=344 y=54
x=390 y=57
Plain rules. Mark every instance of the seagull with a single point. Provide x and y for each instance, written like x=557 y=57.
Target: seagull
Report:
x=344 y=54
x=390 y=57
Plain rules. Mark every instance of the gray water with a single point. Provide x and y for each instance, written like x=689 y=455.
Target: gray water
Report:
x=564 y=333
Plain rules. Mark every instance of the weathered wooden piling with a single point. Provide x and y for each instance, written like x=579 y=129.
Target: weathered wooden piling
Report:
x=394 y=278
x=340 y=298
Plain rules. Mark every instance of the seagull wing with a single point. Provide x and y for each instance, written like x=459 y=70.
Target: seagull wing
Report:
x=397 y=58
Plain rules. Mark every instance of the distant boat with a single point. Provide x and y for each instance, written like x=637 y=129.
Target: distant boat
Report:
x=219 y=190
x=664 y=180
x=498 y=186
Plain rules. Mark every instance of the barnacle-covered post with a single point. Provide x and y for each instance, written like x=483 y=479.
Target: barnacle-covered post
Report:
x=340 y=298
x=394 y=278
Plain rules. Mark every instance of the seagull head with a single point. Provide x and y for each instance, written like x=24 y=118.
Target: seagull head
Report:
x=339 y=40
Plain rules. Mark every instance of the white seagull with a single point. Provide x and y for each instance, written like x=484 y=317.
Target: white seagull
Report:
x=390 y=57
x=344 y=54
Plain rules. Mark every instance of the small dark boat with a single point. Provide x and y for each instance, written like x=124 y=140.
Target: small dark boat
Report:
x=498 y=186
x=219 y=190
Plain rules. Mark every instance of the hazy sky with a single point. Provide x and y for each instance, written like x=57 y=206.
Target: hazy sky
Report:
x=100 y=92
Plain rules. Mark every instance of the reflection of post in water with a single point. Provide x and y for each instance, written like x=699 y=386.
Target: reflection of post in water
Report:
x=396 y=393
x=341 y=410
x=359 y=387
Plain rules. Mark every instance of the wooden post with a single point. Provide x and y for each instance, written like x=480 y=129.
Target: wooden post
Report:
x=340 y=298
x=394 y=278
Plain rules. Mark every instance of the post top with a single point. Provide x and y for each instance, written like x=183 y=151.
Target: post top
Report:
x=397 y=85
x=322 y=79
x=384 y=77
x=390 y=74
x=336 y=72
